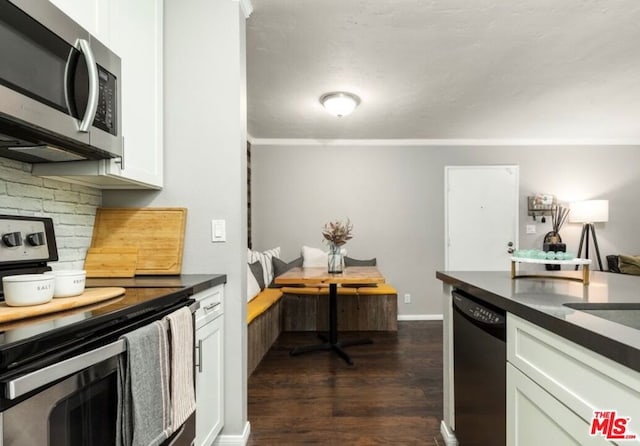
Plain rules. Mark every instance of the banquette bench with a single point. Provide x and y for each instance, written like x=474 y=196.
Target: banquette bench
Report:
x=273 y=310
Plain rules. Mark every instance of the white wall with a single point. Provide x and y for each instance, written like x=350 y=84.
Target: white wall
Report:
x=395 y=198
x=205 y=162
x=72 y=208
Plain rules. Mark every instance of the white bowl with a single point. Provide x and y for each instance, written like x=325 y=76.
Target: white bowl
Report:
x=68 y=282
x=27 y=289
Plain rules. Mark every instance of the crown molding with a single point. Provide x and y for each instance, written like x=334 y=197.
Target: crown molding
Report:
x=301 y=142
x=246 y=6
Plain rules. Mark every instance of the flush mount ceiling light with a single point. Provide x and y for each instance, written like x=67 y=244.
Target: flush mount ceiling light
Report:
x=340 y=103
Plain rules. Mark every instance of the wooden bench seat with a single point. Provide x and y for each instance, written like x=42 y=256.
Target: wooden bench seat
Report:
x=264 y=319
x=360 y=309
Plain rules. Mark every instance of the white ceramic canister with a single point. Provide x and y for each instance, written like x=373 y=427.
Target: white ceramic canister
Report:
x=27 y=289
x=68 y=282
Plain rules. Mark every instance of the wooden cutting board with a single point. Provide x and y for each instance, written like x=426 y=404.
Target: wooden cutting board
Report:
x=90 y=296
x=111 y=262
x=157 y=233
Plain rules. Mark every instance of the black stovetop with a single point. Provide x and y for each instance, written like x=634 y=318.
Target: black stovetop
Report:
x=27 y=340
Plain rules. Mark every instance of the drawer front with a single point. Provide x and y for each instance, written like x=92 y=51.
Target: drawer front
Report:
x=582 y=380
x=535 y=418
x=211 y=305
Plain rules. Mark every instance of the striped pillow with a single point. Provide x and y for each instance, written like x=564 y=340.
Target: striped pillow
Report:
x=264 y=258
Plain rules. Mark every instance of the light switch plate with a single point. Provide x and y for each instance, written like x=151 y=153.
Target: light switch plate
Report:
x=531 y=229
x=218 y=231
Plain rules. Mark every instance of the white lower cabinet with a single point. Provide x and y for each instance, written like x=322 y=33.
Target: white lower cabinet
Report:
x=209 y=366
x=555 y=386
x=536 y=418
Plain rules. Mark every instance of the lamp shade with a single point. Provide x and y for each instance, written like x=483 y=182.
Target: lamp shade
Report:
x=589 y=211
x=340 y=103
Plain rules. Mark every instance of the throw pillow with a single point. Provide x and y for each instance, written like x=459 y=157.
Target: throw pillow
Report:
x=629 y=264
x=265 y=259
x=313 y=257
x=253 y=289
x=281 y=267
x=612 y=263
x=348 y=261
x=256 y=269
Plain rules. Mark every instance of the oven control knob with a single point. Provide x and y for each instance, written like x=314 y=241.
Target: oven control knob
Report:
x=36 y=239
x=12 y=239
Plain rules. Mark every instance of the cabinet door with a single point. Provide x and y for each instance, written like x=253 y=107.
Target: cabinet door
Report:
x=209 y=381
x=535 y=418
x=137 y=37
x=93 y=15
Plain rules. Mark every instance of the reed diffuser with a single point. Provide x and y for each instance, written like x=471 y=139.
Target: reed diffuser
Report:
x=558 y=217
x=552 y=240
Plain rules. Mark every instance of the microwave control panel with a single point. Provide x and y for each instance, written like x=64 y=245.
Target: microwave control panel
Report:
x=106 y=114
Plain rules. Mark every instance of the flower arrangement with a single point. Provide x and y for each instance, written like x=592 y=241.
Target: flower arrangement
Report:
x=337 y=233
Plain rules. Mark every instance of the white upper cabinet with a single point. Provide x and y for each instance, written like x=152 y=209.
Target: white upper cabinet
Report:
x=133 y=30
x=91 y=14
x=136 y=35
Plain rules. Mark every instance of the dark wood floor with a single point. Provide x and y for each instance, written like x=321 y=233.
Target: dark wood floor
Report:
x=391 y=396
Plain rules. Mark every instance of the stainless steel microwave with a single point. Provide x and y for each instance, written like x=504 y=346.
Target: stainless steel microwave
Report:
x=59 y=87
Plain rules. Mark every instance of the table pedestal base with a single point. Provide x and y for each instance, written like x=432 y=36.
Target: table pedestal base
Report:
x=331 y=342
x=336 y=347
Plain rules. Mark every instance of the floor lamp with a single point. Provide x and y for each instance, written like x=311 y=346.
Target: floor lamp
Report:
x=589 y=212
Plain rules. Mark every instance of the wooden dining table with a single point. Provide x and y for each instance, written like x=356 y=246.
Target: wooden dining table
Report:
x=319 y=276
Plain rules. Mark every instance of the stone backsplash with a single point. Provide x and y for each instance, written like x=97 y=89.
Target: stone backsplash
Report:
x=72 y=207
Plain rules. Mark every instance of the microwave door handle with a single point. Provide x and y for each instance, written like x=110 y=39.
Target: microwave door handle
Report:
x=94 y=85
x=67 y=74
x=31 y=381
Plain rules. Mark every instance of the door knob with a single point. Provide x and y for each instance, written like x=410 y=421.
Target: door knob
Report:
x=510 y=244
x=510 y=250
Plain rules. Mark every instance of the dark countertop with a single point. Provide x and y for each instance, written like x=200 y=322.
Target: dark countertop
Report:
x=199 y=282
x=138 y=290
x=540 y=301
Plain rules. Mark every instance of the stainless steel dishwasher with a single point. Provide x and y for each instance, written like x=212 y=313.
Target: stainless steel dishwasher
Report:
x=480 y=358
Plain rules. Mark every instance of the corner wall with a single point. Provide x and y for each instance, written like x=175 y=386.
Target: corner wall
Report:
x=394 y=195
x=205 y=164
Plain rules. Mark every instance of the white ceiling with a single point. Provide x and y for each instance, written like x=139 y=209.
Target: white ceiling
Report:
x=447 y=69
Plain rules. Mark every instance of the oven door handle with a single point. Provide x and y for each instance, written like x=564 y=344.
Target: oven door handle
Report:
x=31 y=381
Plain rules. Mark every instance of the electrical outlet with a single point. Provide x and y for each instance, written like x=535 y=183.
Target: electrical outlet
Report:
x=407 y=298
x=531 y=229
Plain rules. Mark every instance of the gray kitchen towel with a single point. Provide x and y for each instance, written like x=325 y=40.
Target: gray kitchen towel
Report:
x=144 y=415
x=183 y=398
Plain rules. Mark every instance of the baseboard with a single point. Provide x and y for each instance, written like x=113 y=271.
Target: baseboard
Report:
x=448 y=436
x=234 y=440
x=419 y=317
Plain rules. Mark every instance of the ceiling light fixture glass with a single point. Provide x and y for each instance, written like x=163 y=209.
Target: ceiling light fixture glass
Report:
x=340 y=103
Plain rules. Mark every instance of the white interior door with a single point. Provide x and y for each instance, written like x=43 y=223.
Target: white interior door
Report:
x=481 y=217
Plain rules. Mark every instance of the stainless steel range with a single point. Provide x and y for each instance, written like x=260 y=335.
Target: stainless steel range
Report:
x=28 y=243
x=58 y=381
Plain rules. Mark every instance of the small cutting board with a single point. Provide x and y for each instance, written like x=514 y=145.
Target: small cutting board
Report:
x=158 y=233
x=90 y=296
x=111 y=262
